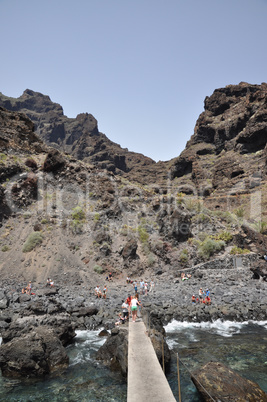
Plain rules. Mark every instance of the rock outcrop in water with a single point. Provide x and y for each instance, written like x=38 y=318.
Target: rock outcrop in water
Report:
x=36 y=353
x=217 y=382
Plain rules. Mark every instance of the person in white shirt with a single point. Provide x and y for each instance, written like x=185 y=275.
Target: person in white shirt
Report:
x=134 y=303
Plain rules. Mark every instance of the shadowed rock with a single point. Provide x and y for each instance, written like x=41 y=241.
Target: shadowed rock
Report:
x=217 y=382
x=35 y=354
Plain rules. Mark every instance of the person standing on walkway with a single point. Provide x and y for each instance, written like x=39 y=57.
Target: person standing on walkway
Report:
x=134 y=303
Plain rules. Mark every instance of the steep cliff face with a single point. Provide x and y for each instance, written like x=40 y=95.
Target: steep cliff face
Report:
x=228 y=147
x=235 y=118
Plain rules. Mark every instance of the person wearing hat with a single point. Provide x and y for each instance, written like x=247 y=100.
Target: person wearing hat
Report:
x=193 y=299
x=207 y=292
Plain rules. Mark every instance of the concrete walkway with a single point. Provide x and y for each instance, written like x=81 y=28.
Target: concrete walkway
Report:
x=146 y=380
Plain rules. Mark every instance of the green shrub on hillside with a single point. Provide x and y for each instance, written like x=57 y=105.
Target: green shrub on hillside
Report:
x=201 y=218
x=44 y=221
x=97 y=217
x=143 y=235
x=209 y=247
x=98 y=269
x=225 y=236
x=78 y=218
x=5 y=248
x=78 y=214
x=76 y=226
x=34 y=239
x=237 y=250
x=225 y=216
x=3 y=157
x=260 y=226
x=183 y=258
x=240 y=212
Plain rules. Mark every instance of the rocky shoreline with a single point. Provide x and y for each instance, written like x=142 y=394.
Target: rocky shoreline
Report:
x=235 y=295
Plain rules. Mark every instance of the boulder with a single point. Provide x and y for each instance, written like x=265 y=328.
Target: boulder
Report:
x=3 y=300
x=217 y=382
x=53 y=161
x=114 y=352
x=259 y=270
x=129 y=250
x=34 y=354
x=60 y=323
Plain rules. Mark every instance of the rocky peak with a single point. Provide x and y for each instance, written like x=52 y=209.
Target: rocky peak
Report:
x=235 y=118
x=80 y=137
x=31 y=101
x=228 y=147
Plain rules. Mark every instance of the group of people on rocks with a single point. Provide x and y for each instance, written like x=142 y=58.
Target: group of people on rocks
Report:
x=27 y=289
x=145 y=287
x=49 y=282
x=184 y=276
x=203 y=297
x=99 y=293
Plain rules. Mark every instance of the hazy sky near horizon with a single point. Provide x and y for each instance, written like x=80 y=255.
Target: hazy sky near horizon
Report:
x=143 y=68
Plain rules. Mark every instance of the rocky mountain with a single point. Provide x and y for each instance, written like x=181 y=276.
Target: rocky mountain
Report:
x=65 y=218
x=225 y=161
x=80 y=137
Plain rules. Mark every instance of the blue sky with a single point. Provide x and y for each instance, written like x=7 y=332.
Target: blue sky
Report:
x=141 y=67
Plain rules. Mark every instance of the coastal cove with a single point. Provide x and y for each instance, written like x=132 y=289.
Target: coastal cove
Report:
x=236 y=344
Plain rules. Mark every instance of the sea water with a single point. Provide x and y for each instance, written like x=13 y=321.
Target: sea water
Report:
x=86 y=379
x=242 y=346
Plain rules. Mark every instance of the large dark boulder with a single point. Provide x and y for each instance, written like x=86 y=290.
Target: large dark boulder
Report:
x=114 y=352
x=129 y=250
x=259 y=270
x=53 y=161
x=217 y=382
x=61 y=324
x=35 y=354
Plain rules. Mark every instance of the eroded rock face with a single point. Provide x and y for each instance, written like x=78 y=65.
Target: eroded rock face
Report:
x=223 y=384
x=129 y=250
x=233 y=124
x=259 y=270
x=235 y=117
x=34 y=354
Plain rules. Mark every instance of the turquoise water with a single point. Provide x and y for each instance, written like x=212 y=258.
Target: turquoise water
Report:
x=241 y=346
x=84 y=380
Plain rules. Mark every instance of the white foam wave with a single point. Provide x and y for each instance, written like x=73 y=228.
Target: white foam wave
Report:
x=85 y=343
x=223 y=328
